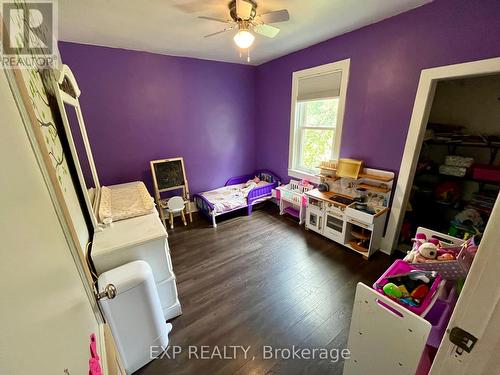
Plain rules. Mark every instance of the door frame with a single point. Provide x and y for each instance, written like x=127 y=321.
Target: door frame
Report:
x=418 y=124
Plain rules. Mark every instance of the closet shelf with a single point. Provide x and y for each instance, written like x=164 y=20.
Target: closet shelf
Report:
x=493 y=146
x=467 y=178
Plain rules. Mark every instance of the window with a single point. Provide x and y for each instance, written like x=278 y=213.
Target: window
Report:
x=318 y=97
x=316 y=121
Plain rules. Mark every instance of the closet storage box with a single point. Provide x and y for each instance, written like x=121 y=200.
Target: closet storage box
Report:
x=485 y=172
x=458 y=161
x=134 y=314
x=450 y=170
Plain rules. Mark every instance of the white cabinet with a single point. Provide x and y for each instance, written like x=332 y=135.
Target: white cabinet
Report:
x=334 y=224
x=364 y=231
x=358 y=230
x=315 y=214
x=139 y=238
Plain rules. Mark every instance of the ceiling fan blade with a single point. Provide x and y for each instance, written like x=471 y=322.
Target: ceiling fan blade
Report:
x=243 y=9
x=275 y=16
x=213 y=19
x=266 y=30
x=219 y=32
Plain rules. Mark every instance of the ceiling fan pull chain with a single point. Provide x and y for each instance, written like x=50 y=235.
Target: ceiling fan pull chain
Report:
x=248 y=54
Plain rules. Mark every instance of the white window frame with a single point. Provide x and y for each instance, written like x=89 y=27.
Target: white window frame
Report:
x=293 y=152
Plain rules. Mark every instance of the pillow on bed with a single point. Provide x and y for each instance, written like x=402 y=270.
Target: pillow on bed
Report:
x=250 y=183
x=254 y=182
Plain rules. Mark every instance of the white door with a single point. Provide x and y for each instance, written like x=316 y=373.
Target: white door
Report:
x=477 y=312
x=46 y=315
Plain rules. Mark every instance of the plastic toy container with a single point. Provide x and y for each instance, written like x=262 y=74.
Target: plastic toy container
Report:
x=401 y=267
x=452 y=269
x=486 y=172
x=440 y=313
x=438 y=316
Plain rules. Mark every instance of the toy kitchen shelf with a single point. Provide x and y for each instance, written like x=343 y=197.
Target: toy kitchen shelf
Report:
x=336 y=215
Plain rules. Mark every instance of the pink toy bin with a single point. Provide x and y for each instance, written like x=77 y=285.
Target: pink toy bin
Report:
x=399 y=267
x=439 y=315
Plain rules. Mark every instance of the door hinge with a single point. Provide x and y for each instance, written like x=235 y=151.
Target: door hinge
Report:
x=464 y=340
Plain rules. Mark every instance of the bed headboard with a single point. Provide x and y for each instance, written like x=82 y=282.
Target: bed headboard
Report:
x=267 y=175
x=263 y=174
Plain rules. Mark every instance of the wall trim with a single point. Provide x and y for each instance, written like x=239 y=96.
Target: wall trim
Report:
x=341 y=65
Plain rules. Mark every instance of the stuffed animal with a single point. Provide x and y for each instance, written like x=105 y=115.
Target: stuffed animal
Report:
x=427 y=251
x=418 y=241
x=420 y=238
x=469 y=217
x=446 y=256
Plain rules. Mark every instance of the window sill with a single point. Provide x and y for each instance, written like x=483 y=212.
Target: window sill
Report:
x=304 y=176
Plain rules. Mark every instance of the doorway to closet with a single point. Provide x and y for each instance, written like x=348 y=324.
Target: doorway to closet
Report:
x=457 y=177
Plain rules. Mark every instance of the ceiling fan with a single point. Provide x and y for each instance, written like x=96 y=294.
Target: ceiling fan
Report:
x=245 y=20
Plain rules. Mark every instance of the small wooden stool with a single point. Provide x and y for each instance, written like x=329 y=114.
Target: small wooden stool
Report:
x=174 y=206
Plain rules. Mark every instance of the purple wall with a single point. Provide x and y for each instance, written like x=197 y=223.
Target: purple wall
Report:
x=227 y=119
x=141 y=106
x=386 y=60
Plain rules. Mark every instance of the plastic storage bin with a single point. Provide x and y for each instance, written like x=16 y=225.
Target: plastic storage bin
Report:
x=398 y=267
x=486 y=172
x=134 y=315
x=439 y=315
x=453 y=269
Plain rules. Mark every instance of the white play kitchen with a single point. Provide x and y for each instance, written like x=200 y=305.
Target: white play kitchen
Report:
x=350 y=205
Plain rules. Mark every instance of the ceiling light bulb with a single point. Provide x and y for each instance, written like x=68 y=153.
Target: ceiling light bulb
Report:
x=244 y=38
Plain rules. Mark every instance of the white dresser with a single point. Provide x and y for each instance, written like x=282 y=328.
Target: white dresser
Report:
x=127 y=240
x=139 y=238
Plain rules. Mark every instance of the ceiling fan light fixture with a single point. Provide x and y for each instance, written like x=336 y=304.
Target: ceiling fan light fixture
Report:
x=244 y=38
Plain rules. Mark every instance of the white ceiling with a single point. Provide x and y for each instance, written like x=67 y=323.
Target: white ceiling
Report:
x=171 y=27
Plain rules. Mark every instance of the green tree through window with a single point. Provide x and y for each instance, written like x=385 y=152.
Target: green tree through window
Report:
x=316 y=125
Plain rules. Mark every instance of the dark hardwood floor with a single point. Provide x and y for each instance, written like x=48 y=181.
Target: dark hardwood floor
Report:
x=261 y=280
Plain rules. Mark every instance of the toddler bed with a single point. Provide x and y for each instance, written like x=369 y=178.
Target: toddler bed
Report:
x=238 y=192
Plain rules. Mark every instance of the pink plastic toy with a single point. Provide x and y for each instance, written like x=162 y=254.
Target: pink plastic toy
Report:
x=94 y=364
